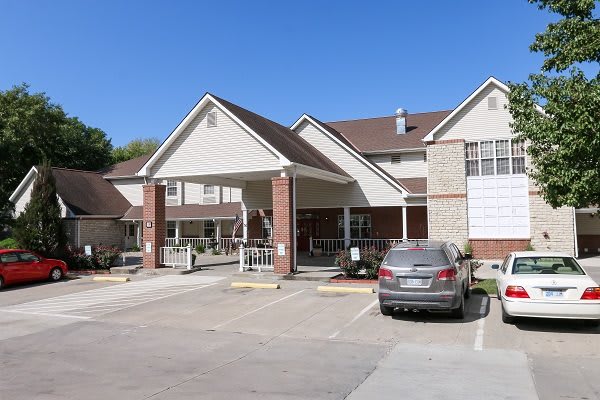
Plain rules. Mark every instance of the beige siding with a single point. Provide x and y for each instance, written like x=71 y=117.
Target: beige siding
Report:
x=476 y=122
x=131 y=189
x=192 y=193
x=236 y=195
x=257 y=195
x=412 y=164
x=588 y=224
x=225 y=148
x=368 y=189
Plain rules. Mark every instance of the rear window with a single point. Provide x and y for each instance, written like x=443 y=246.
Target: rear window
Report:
x=546 y=265
x=416 y=258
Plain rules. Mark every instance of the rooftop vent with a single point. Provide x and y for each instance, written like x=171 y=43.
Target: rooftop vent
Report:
x=401 y=114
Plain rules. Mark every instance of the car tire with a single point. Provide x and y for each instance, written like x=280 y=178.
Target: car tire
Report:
x=459 y=312
x=507 y=318
x=1 y=283
x=56 y=274
x=386 y=310
x=591 y=323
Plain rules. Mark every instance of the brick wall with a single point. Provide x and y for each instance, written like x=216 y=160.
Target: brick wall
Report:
x=154 y=213
x=496 y=249
x=447 y=188
x=70 y=226
x=96 y=232
x=551 y=229
x=283 y=223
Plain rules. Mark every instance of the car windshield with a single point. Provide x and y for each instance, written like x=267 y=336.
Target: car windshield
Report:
x=546 y=265
x=416 y=258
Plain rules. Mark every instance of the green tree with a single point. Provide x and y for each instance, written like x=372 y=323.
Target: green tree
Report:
x=563 y=139
x=39 y=227
x=32 y=129
x=136 y=148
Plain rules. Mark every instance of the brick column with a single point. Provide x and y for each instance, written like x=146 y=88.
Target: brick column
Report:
x=154 y=225
x=283 y=224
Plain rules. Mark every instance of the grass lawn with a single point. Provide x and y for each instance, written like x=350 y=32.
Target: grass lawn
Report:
x=485 y=286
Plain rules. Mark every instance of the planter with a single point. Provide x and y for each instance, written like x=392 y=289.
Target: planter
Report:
x=342 y=279
x=317 y=252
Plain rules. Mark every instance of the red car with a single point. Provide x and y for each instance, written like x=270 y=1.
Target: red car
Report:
x=24 y=266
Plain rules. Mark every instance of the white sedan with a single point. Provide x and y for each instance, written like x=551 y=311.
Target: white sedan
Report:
x=546 y=285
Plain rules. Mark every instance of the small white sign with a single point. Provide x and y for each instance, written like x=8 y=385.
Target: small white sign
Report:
x=148 y=247
x=281 y=249
x=354 y=253
x=88 y=250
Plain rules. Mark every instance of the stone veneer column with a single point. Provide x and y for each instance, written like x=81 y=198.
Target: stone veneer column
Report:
x=154 y=215
x=283 y=224
x=447 y=191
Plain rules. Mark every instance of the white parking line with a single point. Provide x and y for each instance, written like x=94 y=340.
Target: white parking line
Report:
x=258 y=309
x=96 y=302
x=478 y=346
x=360 y=314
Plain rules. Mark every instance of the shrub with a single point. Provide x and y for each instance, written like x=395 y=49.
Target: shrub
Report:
x=371 y=259
x=105 y=256
x=135 y=247
x=9 y=243
x=200 y=249
x=76 y=259
x=216 y=252
x=468 y=248
x=349 y=268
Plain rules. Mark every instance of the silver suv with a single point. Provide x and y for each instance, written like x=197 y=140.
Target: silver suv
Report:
x=435 y=276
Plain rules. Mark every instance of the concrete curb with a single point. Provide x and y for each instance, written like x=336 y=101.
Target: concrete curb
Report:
x=344 y=289
x=255 y=285
x=111 y=279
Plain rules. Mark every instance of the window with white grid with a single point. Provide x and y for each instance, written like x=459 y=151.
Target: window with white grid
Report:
x=495 y=157
x=171 y=188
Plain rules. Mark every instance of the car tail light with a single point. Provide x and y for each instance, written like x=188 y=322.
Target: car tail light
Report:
x=385 y=273
x=516 y=291
x=591 y=293
x=447 y=275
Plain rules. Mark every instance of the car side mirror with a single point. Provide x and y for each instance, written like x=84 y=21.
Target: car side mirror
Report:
x=495 y=266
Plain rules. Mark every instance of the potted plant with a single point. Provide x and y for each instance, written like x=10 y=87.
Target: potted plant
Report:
x=317 y=251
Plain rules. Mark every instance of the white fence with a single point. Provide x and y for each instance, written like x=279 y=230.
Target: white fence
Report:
x=331 y=246
x=256 y=258
x=223 y=243
x=176 y=257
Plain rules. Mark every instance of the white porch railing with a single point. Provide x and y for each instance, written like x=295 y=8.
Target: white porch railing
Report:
x=224 y=243
x=256 y=258
x=176 y=257
x=194 y=242
x=331 y=246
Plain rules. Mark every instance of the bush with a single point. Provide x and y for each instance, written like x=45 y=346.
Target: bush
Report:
x=77 y=260
x=9 y=243
x=468 y=248
x=105 y=256
x=349 y=268
x=135 y=247
x=200 y=249
x=370 y=261
x=216 y=252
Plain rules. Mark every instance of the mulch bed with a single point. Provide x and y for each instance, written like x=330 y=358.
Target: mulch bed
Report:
x=343 y=279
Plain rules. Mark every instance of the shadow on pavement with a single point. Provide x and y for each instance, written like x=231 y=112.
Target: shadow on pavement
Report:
x=472 y=313
x=555 y=325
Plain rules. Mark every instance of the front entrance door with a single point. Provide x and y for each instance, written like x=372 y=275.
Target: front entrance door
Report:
x=130 y=235
x=307 y=228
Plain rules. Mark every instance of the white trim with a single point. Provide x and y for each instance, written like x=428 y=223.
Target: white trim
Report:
x=489 y=81
x=411 y=150
x=353 y=152
x=23 y=184
x=145 y=170
x=313 y=172
x=586 y=210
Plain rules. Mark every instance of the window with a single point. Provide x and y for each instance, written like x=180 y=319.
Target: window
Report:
x=492 y=103
x=171 y=229
x=360 y=226
x=171 y=188
x=131 y=230
x=28 y=257
x=209 y=189
x=9 y=257
x=211 y=119
x=424 y=157
x=209 y=229
x=396 y=159
x=494 y=157
x=267 y=227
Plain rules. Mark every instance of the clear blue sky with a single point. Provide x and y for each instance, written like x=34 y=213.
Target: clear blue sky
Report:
x=135 y=68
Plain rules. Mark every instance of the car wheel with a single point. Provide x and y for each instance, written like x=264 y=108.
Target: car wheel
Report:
x=507 y=318
x=1 y=282
x=459 y=312
x=56 y=274
x=591 y=323
x=385 y=310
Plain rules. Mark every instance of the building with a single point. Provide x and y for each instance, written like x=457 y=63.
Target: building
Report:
x=455 y=174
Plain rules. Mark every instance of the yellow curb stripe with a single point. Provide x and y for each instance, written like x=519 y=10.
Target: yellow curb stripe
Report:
x=345 y=289
x=255 y=285
x=111 y=279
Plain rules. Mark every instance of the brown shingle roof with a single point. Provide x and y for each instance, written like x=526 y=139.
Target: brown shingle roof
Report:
x=415 y=185
x=283 y=139
x=379 y=134
x=192 y=211
x=125 y=168
x=88 y=193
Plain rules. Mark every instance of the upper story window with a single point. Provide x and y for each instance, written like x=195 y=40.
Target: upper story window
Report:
x=209 y=189
x=495 y=157
x=171 y=188
x=211 y=119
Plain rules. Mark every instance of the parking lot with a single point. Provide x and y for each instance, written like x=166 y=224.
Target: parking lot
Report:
x=179 y=337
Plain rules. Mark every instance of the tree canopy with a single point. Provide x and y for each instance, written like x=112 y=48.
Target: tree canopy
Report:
x=563 y=138
x=33 y=128
x=136 y=148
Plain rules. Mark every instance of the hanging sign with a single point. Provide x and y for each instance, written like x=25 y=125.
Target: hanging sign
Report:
x=354 y=253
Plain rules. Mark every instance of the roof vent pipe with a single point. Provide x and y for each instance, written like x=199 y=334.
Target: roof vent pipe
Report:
x=401 y=114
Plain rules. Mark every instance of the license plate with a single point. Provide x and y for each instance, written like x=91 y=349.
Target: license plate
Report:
x=553 y=293
x=414 y=282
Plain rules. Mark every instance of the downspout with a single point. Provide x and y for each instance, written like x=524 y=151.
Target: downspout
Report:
x=78 y=232
x=294 y=220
